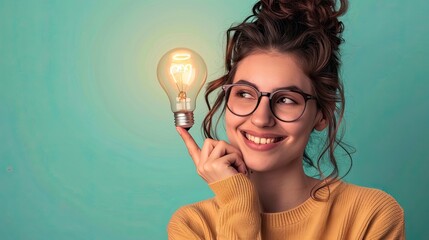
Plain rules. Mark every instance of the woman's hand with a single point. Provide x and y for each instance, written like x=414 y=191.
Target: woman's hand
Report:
x=217 y=160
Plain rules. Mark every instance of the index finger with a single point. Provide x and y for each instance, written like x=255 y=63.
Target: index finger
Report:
x=190 y=143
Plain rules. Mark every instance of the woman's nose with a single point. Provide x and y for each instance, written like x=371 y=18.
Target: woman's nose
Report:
x=262 y=116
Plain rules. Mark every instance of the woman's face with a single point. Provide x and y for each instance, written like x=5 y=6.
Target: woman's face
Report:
x=269 y=71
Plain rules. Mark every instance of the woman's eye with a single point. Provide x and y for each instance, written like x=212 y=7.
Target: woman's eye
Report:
x=285 y=100
x=244 y=95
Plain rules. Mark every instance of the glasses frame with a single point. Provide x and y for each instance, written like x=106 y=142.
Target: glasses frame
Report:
x=270 y=95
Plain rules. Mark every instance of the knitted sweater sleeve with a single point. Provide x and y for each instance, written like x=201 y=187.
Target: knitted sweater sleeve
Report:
x=238 y=216
x=387 y=220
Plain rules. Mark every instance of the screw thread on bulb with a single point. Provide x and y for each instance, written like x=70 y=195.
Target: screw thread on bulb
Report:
x=184 y=119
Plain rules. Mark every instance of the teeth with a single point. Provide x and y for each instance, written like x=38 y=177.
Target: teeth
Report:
x=251 y=138
x=260 y=140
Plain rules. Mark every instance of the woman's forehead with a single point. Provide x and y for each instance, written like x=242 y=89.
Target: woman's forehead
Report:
x=270 y=71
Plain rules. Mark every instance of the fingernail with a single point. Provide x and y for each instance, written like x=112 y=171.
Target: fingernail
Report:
x=179 y=130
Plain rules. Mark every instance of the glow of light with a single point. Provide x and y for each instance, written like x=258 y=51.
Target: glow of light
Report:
x=181 y=56
x=182 y=75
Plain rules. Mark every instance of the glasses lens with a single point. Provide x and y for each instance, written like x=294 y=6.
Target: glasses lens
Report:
x=288 y=106
x=242 y=99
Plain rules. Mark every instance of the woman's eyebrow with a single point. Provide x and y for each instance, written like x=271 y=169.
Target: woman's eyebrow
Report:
x=247 y=83
x=292 y=87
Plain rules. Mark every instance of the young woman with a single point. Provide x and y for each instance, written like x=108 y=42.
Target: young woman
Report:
x=281 y=85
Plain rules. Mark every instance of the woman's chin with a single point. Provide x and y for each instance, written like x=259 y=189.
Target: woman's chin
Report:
x=258 y=166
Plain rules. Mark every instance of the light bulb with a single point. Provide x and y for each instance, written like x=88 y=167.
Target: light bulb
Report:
x=181 y=73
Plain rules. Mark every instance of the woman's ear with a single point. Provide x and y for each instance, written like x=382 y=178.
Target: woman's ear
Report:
x=320 y=122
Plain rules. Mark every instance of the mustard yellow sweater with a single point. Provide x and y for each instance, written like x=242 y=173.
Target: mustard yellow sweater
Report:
x=350 y=212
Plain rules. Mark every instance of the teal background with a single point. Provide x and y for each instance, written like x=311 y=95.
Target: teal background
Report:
x=88 y=148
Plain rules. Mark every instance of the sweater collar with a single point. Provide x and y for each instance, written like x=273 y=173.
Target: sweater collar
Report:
x=300 y=212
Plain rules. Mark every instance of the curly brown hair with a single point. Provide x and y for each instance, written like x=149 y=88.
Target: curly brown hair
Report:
x=311 y=31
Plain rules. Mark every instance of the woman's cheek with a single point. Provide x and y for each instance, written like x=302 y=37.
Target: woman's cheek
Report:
x=231 y=124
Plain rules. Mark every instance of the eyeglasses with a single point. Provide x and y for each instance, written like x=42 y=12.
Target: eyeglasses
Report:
x=287 y=105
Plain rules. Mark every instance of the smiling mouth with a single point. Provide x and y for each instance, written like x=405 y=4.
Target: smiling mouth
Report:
x=262 y=140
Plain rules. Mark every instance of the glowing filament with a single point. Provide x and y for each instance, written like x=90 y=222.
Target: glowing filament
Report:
x=182 y=75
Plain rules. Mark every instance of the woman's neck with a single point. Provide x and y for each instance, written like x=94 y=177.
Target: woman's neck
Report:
x=282 y=190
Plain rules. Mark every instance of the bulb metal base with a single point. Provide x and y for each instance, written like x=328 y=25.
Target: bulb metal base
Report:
x=184 y=119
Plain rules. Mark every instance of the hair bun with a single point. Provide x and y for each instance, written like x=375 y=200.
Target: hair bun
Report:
x=314 y=14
